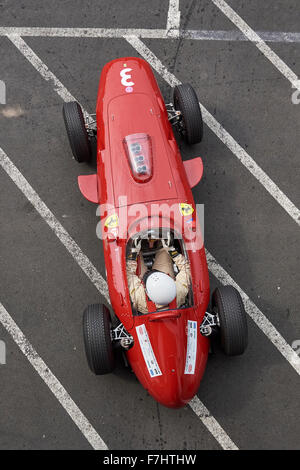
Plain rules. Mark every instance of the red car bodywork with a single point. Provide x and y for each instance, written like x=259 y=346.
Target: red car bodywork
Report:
x=129 y=102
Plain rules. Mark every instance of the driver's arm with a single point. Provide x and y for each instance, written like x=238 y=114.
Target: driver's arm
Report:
x=183 y=278
x=136 y=288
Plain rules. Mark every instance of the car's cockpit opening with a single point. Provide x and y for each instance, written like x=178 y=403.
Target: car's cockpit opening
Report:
x=162 y=252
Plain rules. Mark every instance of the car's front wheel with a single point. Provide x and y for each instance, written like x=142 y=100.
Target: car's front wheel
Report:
x=228 y=304
x=77 y=131
x=97 y=339
x=191 y=124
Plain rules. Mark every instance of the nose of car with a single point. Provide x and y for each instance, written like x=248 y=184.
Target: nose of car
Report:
x=171 y=391
x=165 y=371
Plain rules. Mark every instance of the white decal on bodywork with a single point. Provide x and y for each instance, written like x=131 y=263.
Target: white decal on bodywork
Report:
x=149 y=356
x=125 y=77
x=191 y=350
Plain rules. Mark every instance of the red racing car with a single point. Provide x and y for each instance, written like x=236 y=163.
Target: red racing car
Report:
x=155 y=260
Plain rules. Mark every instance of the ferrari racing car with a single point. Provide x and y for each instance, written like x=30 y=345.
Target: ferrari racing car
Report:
x=161 y=316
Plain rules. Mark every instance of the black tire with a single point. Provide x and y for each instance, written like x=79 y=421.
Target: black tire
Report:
x=97 y=339
x=233 y=321
x=76 y=131
x=186 y=101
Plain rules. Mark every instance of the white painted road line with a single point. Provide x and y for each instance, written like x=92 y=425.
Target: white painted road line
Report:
x=208 y=118
x=42 y=68
x=257 y=316
x=212 y=425
x=269 y=330
x=51 y=381
x=258 y=41
x=223 y=135
x=83 y=32
x=266 y=326
x=173 y=21
x=267 y=36
x=170 y=78
x=200 y=35
x=82 y=260
x=61 y=233
x=251 y=165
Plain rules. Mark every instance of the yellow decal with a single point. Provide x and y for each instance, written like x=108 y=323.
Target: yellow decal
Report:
x=112 y=221
x=185 y=209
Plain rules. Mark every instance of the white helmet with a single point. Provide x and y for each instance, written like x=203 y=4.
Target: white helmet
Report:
x=160 y=287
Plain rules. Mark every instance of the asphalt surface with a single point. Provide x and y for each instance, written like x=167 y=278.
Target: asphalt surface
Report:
x=254 y=397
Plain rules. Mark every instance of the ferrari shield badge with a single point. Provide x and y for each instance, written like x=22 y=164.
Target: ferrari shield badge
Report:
x=185 y=209
x=112 y=221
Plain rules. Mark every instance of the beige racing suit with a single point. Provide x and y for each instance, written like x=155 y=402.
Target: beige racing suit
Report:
x=163 y=262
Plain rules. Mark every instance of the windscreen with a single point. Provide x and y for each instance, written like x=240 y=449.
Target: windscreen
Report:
x=138 y=149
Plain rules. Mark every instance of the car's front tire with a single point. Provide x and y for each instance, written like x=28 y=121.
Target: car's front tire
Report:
x=191 y=125
x=97 y=339
x=76 y=131
x=228 y=304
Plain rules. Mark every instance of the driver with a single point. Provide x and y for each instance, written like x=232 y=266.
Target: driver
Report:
x=158 y=284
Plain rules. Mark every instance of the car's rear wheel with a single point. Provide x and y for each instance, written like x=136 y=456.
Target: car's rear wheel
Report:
x=76 y=131
x=191 y=124
x=228 y=304
x=97 y=339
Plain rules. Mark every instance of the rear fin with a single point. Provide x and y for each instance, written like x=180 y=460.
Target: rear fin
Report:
x=88 y=187
x=194 y=170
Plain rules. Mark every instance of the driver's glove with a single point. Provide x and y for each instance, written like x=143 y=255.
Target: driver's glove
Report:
x=172 y=251
x=135 y=250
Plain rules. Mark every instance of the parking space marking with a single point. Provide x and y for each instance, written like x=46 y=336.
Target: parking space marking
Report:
x=42 y=68
x=173 y=20
x=283 y=68
x=258 y=317
x=51 y=381
x=222 y=134
x=212 y=425
x=213 y=35
x=200 y=35
x=253 y=311
x=83 y=32
x=8 y=165
x=251 y=165
x=81 y=259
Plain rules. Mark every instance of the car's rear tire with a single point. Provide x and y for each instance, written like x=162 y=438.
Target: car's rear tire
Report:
x=97 y=339
x=76 y=131
x=233 y=321
x=186 y=101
